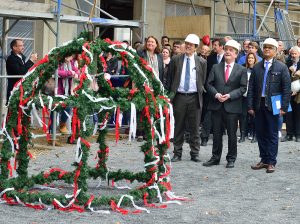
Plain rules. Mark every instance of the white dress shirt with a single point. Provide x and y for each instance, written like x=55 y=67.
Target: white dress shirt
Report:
x=193 y=78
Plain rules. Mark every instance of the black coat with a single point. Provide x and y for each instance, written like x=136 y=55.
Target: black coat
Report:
x=16 y=66
x=278 y=83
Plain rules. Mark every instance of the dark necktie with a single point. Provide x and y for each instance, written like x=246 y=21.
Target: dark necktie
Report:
x=187 y=76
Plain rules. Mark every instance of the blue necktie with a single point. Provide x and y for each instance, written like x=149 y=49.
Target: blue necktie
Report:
x=187 y=75
x=218 y=58
x=265 y=79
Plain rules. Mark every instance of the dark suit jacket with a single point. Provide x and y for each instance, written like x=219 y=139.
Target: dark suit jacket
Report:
x=174 y=75
x=278 y=82
x=160 y=61
x=235 y=86
x=17 y=66
x=212 y=60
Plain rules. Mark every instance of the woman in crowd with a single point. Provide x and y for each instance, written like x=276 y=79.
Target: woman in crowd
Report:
x=245 y=119
x=66 y=72
x=151 y=53
x=166 y=60
x=112 y=63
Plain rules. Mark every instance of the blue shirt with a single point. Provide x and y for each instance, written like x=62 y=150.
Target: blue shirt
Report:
x=242 y=60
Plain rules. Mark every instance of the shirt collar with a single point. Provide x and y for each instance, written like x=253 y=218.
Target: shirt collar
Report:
x=190 y=57
x=231 y=64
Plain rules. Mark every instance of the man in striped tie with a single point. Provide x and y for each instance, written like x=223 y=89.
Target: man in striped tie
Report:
x=226 y=84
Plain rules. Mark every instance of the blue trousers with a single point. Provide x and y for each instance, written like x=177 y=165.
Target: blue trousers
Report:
x=266 y=127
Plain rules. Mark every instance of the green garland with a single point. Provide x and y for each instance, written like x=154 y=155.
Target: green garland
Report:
x=147 y=95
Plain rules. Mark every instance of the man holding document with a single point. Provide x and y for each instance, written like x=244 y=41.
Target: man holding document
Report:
x=268 y=97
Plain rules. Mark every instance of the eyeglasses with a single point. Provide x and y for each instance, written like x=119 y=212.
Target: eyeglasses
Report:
x=269 y=47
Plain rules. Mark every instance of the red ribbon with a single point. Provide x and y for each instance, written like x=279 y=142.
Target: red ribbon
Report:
x=45 y=112
x=74 y=124
x=61 y=172
x=114 y=207
x=9 y=201
x=150 y=204
x=104 y=64
x=73 y=207
x=77 y=173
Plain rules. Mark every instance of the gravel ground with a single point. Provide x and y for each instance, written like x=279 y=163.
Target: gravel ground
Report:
x=217 y=194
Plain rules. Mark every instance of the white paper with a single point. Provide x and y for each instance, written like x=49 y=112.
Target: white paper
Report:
x=278 y=104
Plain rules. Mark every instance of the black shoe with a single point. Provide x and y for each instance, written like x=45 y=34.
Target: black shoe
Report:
x=230 y=164
x=204 y=141
x=195 y=159
x=242 y=139
x=211 y=162
x=287 y=138
x=254 y=140
x=176 y=159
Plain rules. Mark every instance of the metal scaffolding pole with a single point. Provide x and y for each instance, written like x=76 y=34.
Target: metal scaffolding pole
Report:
x=3 y=70
x=254 y=19
x=56 y=72
x=144 y=33
x=263 y=20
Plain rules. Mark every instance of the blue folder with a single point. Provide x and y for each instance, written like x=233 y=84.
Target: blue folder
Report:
x=276 y=104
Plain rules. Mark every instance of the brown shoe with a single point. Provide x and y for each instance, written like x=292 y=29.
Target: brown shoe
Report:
x=270 y=169
x=259 y=166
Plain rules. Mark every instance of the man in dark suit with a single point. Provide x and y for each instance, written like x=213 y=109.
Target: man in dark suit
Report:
x=187 y=73
x=293 y=117
x=269 y=77
x=16 y=65
x=227 y=82
x=216 y=57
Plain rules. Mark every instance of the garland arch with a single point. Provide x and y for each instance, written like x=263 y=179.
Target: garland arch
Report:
x=147 y=96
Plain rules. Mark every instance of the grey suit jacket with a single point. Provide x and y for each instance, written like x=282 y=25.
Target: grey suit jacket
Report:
x=174 y=74
x=235 y=86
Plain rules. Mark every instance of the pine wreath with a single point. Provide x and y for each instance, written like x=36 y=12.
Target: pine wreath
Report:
x=147 y=96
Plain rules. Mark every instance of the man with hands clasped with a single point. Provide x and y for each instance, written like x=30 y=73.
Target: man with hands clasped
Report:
x=227 y=82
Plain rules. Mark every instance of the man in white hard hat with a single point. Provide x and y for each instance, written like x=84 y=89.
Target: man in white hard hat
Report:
x=186 y=78
x=226 y=84
x=268 y=82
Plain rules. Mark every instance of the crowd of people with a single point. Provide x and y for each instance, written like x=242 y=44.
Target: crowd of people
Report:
x=215 y=87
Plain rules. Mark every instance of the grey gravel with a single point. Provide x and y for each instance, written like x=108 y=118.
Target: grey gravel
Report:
x=217 y=194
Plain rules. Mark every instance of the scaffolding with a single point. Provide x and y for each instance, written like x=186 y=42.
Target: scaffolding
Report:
x=58 y=17
x=283 y=27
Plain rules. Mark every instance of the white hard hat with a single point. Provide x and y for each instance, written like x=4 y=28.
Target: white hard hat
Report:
x=271 y=41
x=234 y=44
x=192 y=38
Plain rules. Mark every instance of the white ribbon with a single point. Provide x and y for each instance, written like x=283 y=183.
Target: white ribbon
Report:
x=35 y=114
x=78 y=152
x=71 y=202
x=162 y=127
x=134 y=205
x=132 y=126
x=47 y=207
x=172 y=121
x=141 y=72
x=50 y=102
x=89 y=53
x=94 y=99
x=153 y=162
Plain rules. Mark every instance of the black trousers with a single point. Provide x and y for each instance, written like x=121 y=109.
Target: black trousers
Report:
x=293 y=119
x=220 y=117
x=186 y=108
x=266 y=127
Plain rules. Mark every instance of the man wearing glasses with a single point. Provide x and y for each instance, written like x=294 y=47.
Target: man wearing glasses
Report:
x=269 y=77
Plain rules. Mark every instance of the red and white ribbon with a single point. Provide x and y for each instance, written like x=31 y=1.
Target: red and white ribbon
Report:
x=172 y=120
x=132 y=201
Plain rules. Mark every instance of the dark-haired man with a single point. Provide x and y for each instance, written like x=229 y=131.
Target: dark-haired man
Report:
x=16 y=65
